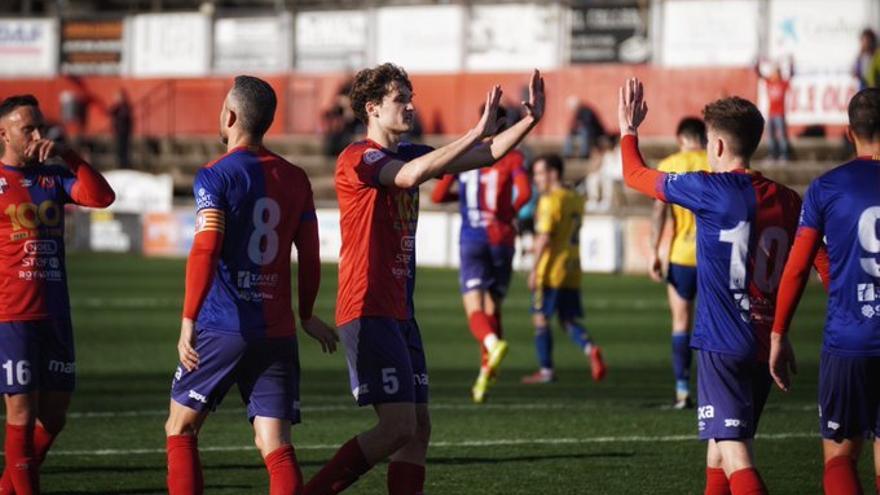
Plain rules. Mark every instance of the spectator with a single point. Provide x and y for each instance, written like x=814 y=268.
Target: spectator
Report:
x=340 y=124
x=121 y=117
x=599 y=186
x=585 y=128
x=777 y=89
x=867 y=66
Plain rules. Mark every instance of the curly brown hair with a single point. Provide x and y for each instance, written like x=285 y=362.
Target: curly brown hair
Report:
x=739 y=120
x=371 y=85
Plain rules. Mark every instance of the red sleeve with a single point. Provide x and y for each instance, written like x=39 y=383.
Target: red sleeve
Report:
x=794 y=277
x=308 y=250
x=443 y=190
x=636 y=174
x=200 y=267
x=90 y=188
x=823 y=265
x=523 y=189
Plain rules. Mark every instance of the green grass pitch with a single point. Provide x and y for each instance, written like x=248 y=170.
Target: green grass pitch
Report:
x=574 y=436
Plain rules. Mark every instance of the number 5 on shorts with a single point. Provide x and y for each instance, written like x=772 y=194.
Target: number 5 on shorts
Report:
x=389 y=380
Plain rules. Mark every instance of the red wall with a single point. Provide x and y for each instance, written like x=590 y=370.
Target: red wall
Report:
x=447 y=103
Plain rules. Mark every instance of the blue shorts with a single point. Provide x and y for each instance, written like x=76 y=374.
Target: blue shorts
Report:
x=37 y=355
x=731 y=394
x=683 y=279
x=849 y=396
x=485 y=267
x=386 y=360
x=265 y=370
x=564 y=302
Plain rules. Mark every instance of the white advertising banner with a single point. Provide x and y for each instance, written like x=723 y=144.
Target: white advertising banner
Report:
x=170 y=45
x=422 y=39
x=710 y=33
x=816 y=99
x=253 y=43
x=139 y=192
x=331 y=40
x=600 y=244
x=28 y=47
x=820 y=35
x=432 y=239
x=493 y=46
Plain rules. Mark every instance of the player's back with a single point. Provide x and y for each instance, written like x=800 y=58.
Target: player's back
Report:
x=486 y=200
x=844 y=204
x=264 y=199
x=683 y=249
x=560 y=214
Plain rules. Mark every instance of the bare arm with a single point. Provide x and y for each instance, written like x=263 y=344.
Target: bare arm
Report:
x=542 y=244
x=658 y=221
x=415 y=172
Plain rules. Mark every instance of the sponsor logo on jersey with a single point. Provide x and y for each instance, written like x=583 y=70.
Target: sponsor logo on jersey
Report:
x=42 y=247
x=833 y=425
x=408 y=243
x=735 y=423
x=866 y=293
x=204 y=199
x=68 y=368
x=372 y=156
x=420 y=379
x=3 y=185
x=178 y=373
x=868 y=311
x=706 y=412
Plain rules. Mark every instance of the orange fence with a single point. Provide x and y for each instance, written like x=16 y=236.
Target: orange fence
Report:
x=447 y=103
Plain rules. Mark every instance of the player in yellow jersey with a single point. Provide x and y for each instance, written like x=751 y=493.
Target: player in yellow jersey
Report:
x=681 y=275
x=555 y=281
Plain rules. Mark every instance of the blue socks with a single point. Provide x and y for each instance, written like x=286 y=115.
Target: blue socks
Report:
x=681 y=360
x=578 y=335
x=544 y=347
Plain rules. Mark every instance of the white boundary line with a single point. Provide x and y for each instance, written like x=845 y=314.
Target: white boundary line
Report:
x=503 y=442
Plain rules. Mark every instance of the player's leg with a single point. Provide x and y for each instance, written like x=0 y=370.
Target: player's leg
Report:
x=543 y=307
x=381 y=375
x=783 y=139
x=476 y=277
x=268 y=380
x=20 y=375
x=194 y=394
x=845 y=415
x=774 y=139
x=681 y=291
x=716 y=479
x=877 y=462
x=725 y=414
x=570 y=312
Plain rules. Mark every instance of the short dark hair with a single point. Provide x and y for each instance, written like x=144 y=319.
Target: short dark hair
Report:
x=553 y=161
x=371 y=85
x=739 y=120
x=870 y=34
x=693 y=128
x=256 y=103
x=8 y=105
x=864 y=114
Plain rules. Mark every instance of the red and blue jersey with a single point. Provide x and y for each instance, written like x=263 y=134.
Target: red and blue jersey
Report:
x=32 y=200
x=485 y=197
x=843 y=205
x=257 y=205
x=377 y=259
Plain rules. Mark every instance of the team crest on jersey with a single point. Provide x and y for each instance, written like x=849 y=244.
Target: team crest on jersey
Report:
x=204 y=199
x=373 y=156
x=3 y=185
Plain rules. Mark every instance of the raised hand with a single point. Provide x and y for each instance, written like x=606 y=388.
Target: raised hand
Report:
x=535 y=106
x=631 y=106
x=43 y=149
x=321 y=332
x=488 y=123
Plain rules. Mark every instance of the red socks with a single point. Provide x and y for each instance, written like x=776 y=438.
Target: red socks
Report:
x=747 y=482
x=341 y=472
x=184 y=467
x=42 y=442
x=20 y=460
x=480 y=325
x=716 y=482
x=405 y=478
x=840 y=477
x=285 y=478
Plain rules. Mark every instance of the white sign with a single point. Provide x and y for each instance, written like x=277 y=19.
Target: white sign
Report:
x=331 y=40
x=140 y=192
x=816 y=99
x=432 y=239
x=710 y=33
x=600 y=244
x=492 y=44
x=169 y=45
x=28 y=47
x=243 y=44
x=822 y=36
x=421 y=39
